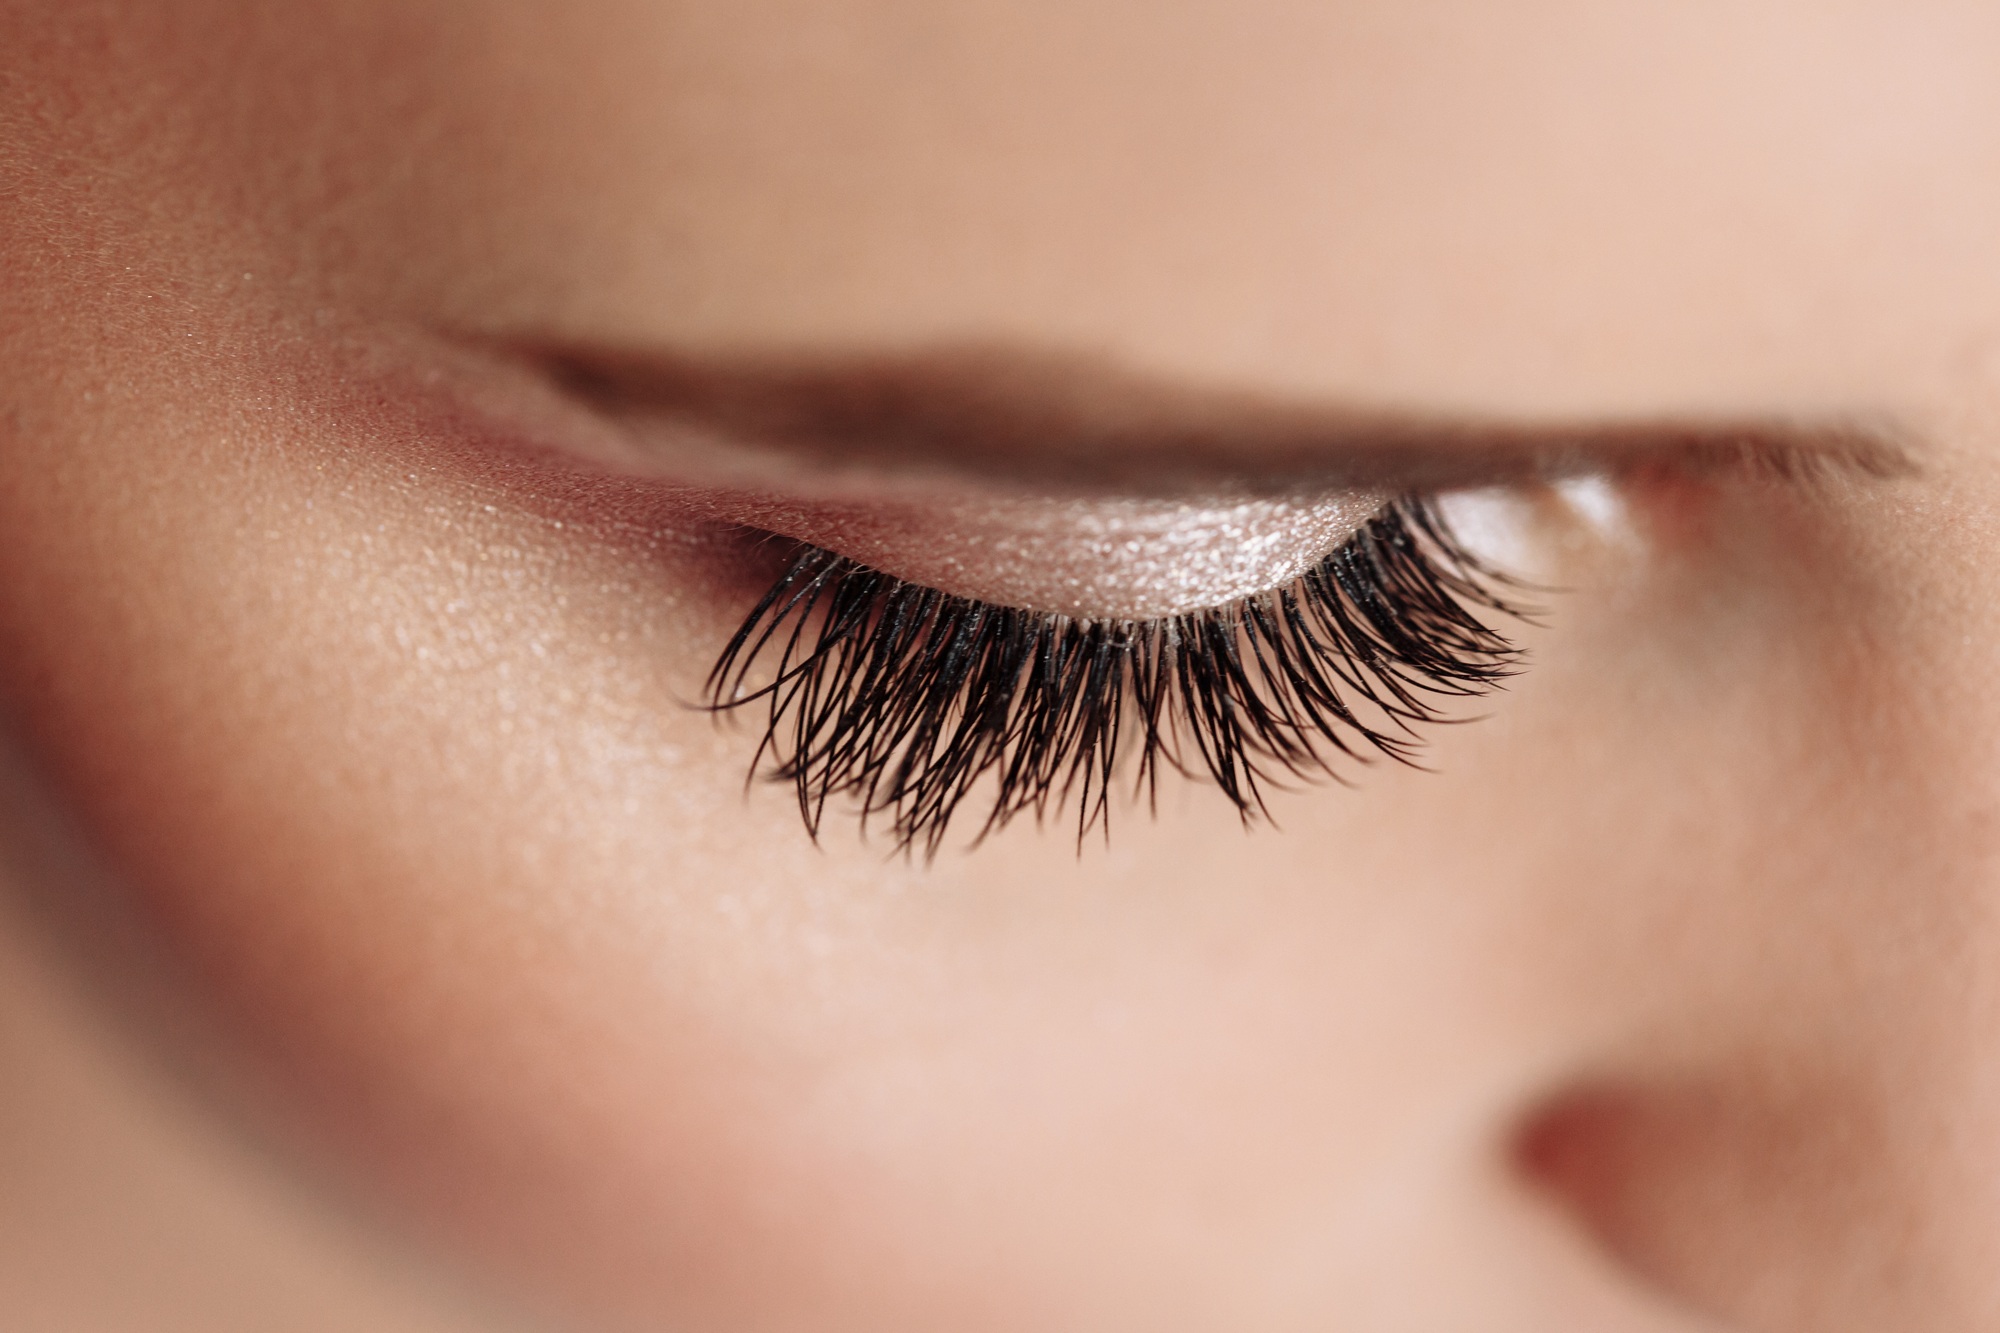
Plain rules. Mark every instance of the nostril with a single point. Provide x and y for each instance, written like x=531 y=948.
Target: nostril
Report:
x=1765 y=1205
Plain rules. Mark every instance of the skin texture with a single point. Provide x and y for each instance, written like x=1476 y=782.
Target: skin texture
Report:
x=1666 y=1002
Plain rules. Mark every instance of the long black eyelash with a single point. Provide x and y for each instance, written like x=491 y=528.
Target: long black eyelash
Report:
x=904 y=700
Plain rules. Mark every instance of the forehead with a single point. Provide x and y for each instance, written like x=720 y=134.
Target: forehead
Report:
x=1562 y=206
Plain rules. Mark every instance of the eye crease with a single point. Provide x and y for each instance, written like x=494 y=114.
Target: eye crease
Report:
x=901 y=700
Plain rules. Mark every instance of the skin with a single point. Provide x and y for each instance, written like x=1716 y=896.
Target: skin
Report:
x=1665 y=1002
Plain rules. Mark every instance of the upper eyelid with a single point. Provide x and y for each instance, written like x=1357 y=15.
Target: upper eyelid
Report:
x=1048 y=422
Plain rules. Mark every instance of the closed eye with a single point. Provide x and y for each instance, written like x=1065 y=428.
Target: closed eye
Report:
x=907 y=703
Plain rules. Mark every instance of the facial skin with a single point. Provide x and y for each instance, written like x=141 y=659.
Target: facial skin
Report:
x=1666 y=1001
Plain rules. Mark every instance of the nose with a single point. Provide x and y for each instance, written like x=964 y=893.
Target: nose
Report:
x=1794 y=1123
x=1839 y=1176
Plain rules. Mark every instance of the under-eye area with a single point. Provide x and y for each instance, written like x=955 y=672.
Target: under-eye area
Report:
x=907 y=705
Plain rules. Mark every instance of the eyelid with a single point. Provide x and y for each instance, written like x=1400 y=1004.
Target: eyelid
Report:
x=906 y=462
x=1097 y=557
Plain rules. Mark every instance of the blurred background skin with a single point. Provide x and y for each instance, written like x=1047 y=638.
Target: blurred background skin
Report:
x=377 y=916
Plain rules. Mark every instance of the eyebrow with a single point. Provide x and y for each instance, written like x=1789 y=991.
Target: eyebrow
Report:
x=1055 y=421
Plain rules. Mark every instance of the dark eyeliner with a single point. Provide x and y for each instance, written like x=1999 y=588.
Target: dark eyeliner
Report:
x=903 y=699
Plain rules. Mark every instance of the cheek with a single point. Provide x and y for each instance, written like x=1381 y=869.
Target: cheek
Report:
x=394 y=758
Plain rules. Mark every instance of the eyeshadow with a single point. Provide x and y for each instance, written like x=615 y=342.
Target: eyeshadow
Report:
x=1091 y=558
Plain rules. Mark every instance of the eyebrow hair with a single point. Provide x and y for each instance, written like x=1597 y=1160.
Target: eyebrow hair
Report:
x=1053 y=421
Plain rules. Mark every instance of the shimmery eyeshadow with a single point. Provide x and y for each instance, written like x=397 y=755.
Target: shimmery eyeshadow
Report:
x=1095 y=558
